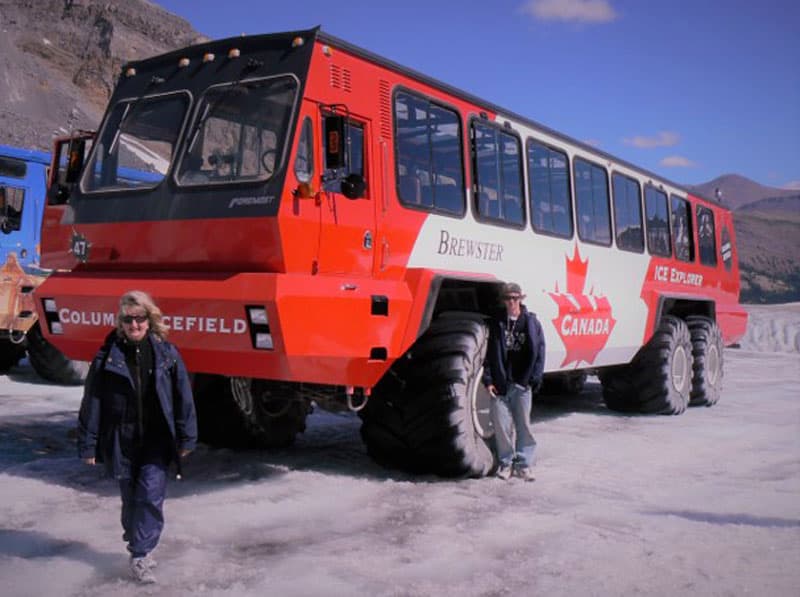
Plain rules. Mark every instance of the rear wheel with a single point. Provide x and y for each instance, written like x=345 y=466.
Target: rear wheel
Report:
x=10 y=354
x=427 y=414
x=52 y=364
x=707 y=351
x=658 y=379
x=242 y=412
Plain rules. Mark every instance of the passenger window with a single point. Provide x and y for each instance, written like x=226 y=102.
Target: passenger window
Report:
x=628 y=213
x=682 y=237
x=706 y=237
x=12 y=167
x=591 y=203
x=12 y=200
x=551 y=201
x=498 y=174
x=655 y=205
x=304 y=160
x=726 y=248
x=428 y=164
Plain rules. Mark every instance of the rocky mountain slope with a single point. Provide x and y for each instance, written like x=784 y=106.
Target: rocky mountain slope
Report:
x=59 y=60
x=767 y=221
x=737 y=191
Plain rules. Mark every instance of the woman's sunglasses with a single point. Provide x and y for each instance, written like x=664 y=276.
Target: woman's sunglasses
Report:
x=129 y=319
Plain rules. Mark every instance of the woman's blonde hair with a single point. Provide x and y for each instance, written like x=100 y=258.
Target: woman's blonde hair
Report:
x=139 y=298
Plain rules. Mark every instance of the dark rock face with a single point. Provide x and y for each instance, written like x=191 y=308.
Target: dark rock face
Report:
x=59 y=60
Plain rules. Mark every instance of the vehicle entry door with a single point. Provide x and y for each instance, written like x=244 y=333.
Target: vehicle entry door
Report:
x=347 y=230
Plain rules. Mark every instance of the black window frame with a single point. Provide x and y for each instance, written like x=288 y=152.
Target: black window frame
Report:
x=355 y=138
x=206 y=110
x=501 y=219
x=88 y=184
x=649 y=189
x=11 y=167
x=13 y=202
x=701 y=253
x=532 y=191
x=576 y=162
x=625 y=206
x=726 y=247
x=429 y=160
x=688 y=233
x=305 y=151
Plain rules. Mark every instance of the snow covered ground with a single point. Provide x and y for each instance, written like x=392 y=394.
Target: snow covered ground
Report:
x=707 y=503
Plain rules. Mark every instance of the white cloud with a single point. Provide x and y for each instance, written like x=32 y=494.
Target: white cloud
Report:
x=592 y=142
x=792 y=185
x=661 y=139
x=677 y=161
x=582 y=11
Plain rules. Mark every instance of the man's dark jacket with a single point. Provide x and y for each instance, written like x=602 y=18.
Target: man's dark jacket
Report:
x=495 y=371
x=107 y=423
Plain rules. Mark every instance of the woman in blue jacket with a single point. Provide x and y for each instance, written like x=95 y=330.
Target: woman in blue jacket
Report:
x=137 y=416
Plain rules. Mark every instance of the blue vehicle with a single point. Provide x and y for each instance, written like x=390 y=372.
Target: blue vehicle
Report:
x=23 y=194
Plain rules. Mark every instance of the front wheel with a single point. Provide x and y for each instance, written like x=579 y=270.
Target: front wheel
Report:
x=52 y=364
x=423 y=416
x=242 y=412
x=10 y=353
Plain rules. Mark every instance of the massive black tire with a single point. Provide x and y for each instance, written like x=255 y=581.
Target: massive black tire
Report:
x=565 y=383
x=422 y=416
x=52 y=364
x=707 y=368
x=241 y=412
x=658 y=379
x=10 y=354
x=619 y=393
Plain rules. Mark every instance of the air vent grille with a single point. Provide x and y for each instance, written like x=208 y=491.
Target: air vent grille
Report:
x=340 y=78
x=385 y=101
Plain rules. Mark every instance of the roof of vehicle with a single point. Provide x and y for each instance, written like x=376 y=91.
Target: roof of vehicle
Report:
x=29 y=155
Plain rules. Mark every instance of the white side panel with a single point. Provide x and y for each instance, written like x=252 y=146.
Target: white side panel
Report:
x=578 y=336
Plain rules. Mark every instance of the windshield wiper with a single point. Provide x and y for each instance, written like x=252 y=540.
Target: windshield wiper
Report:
x=130 y=109
x=251 y=65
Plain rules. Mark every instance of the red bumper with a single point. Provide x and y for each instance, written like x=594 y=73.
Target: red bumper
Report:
x=328 y=330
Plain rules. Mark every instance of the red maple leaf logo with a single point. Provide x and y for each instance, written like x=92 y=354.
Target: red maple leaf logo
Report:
x=584 y=321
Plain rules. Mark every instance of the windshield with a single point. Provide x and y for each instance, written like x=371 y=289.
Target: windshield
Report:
x=137 y=143
x=240 y=132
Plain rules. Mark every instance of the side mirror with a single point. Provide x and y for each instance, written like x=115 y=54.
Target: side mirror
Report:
x=353 y=186
x=77 y=151
x=65 y=170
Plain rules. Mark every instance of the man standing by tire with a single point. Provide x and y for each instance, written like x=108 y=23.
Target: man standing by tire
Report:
x=512 y=374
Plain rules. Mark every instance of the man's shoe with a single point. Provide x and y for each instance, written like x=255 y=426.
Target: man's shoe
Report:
x=140 y=570
x=504 y=472
x=525 y=473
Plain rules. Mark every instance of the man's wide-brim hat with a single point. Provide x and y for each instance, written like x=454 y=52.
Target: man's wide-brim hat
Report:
x=512 y=288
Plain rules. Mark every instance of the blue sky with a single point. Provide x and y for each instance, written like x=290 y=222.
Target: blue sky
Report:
x=690 y=89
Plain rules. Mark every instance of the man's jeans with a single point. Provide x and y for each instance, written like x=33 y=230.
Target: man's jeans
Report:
x=514 y=409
